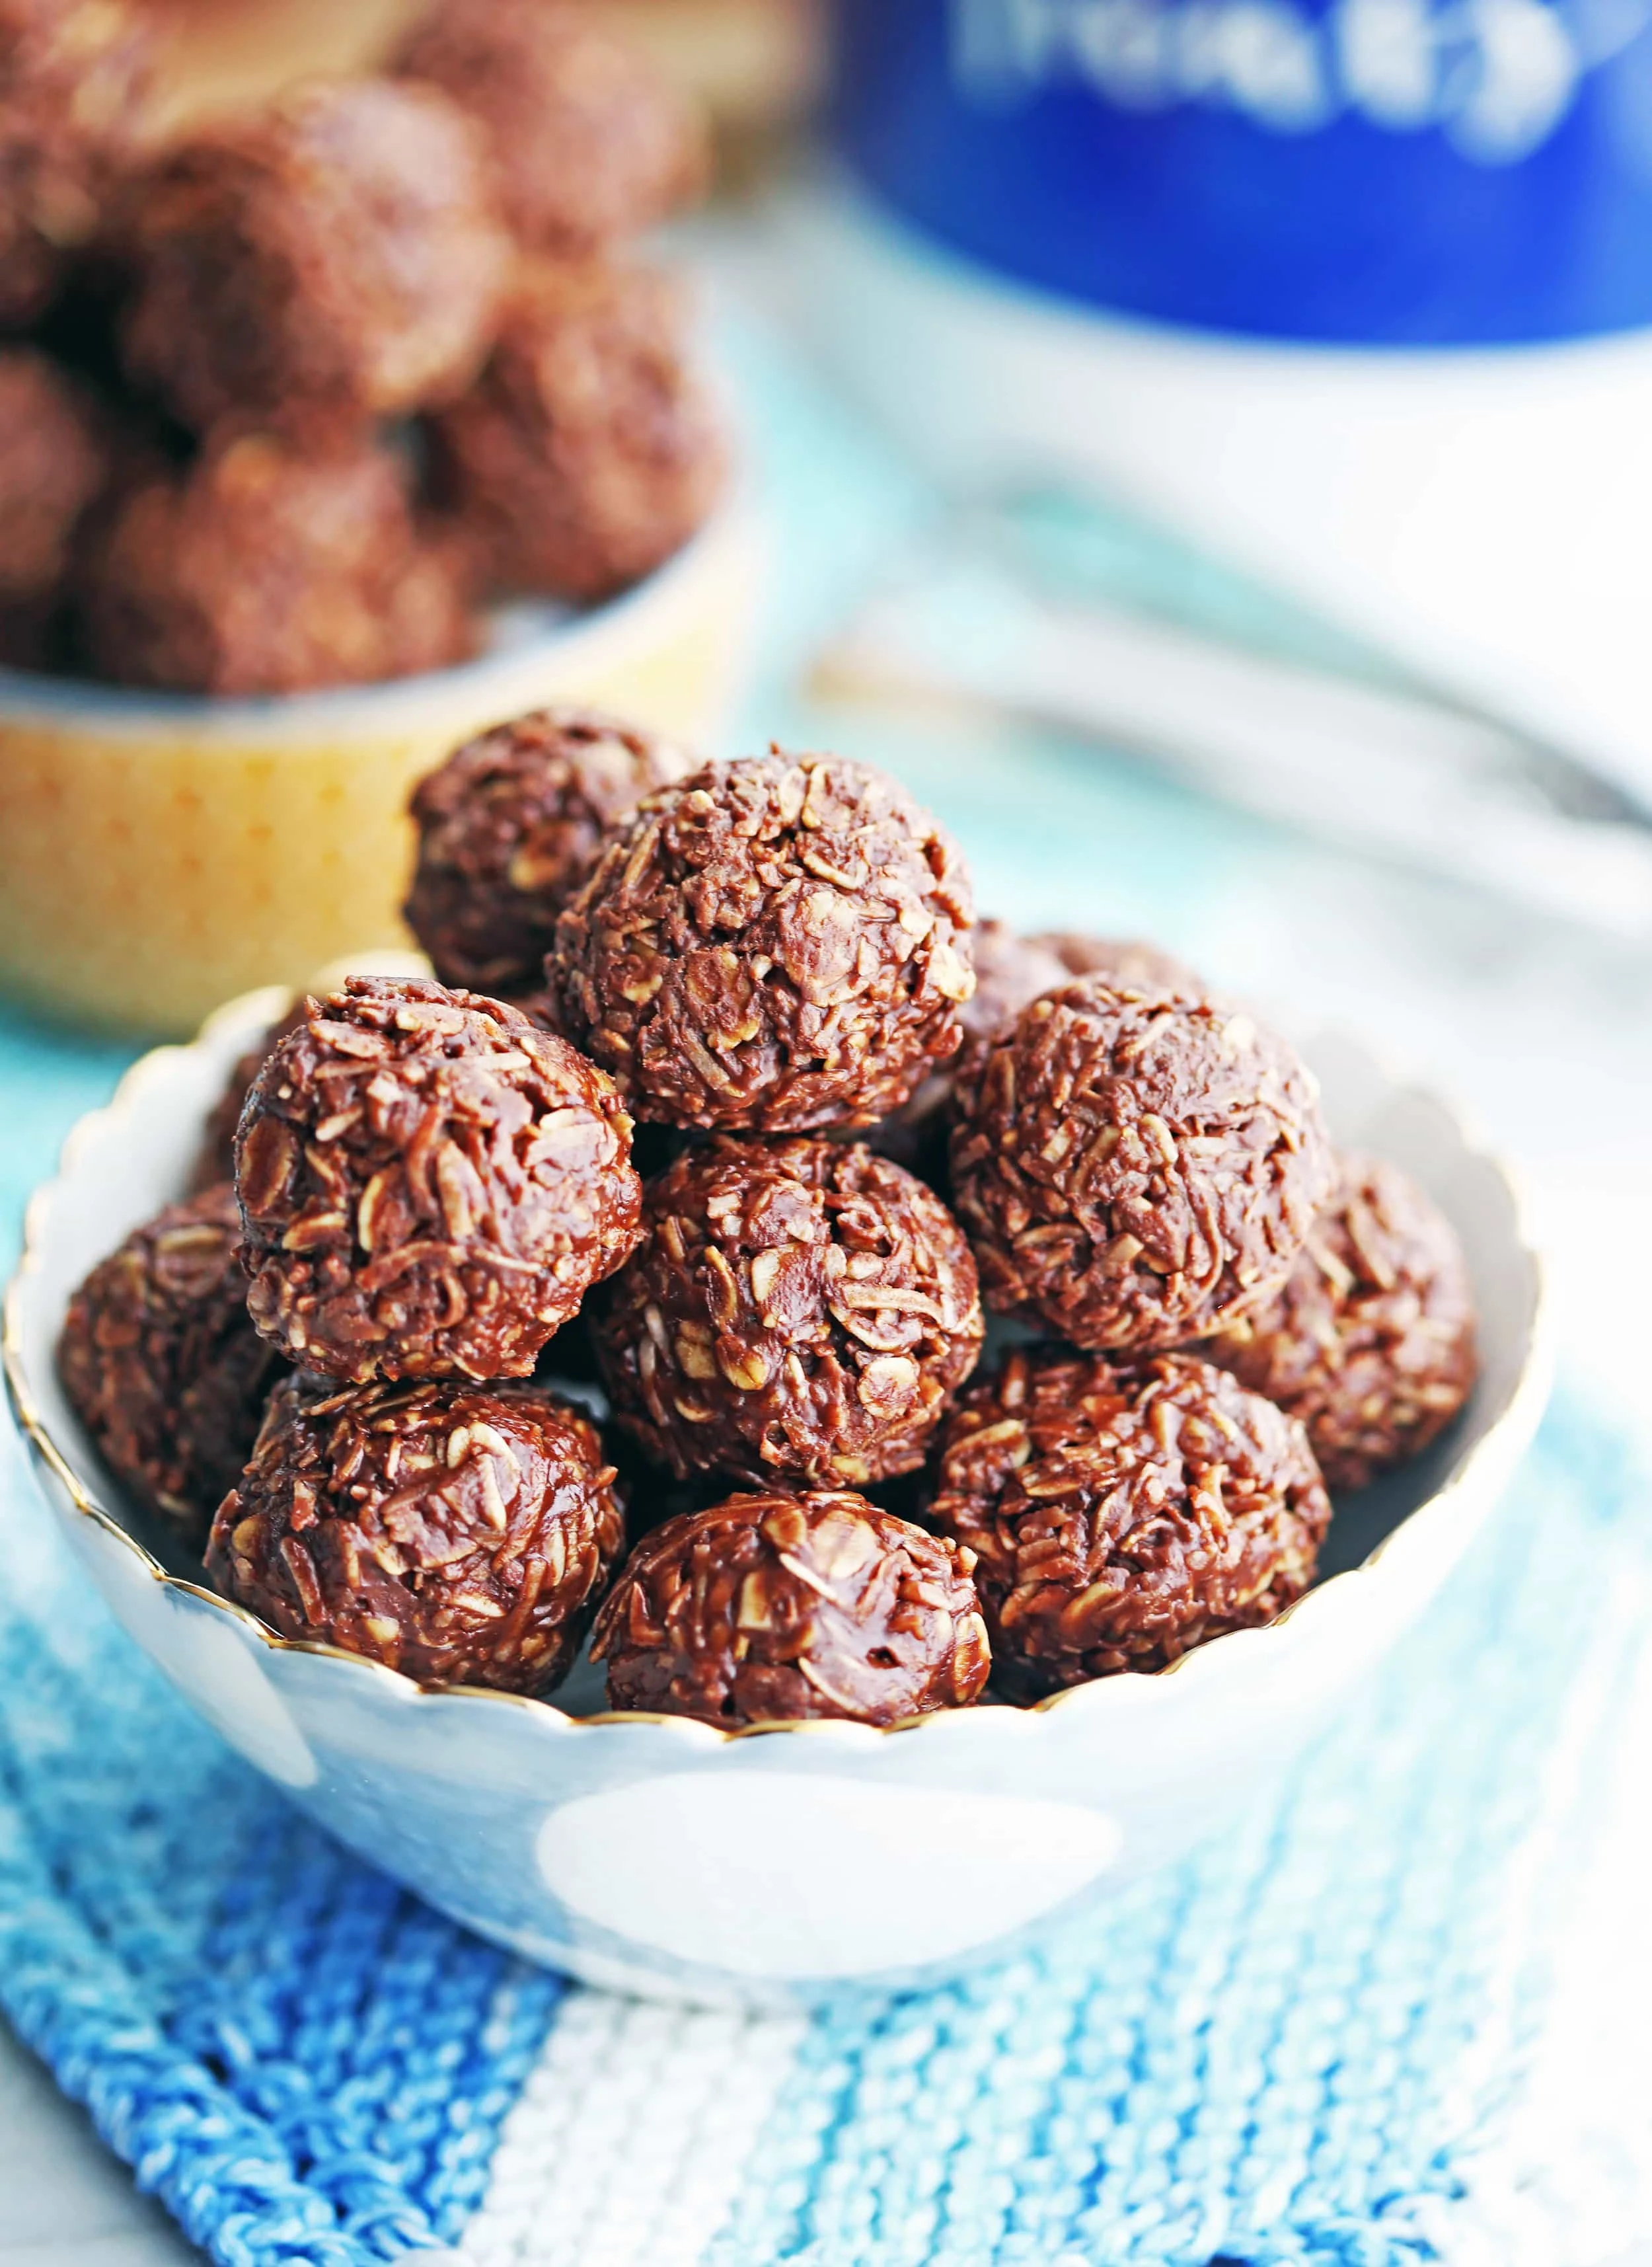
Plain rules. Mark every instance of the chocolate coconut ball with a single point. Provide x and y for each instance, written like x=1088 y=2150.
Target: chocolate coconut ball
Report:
x=337 y=252
x=796 y=1309
x=1136 y=1166
x=74 y=75
x=589 y=140
x=1127 y=957
x=53 y=463
x=1010 y=971
x=1122 y=1512
x=773 y=1608
x=1370 y=1340
x=214 y=1160
x=272 y=566
x=163 y=1366
x=460 y=1533
x=586 y=453
x=429 y=1184
x=509 y=826
x=777 y=944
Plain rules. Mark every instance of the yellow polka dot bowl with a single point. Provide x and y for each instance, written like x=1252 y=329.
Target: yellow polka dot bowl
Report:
x=158 y=853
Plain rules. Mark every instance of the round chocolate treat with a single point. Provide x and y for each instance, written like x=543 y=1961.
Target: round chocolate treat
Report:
x=509 y=826
x=338 y=251
x=777 y=944
x=540 y=1008
x=1127 y=957
x=1370 y=1340
x=430 y=1182
x=1122 y=1512
x=589 y=141
x=770 y=1607
x=797 y=1310
x=74 y=75
x=162 y=1364
x=1136 y=1166
x=460 y=1533
x=54 y=462
x=269 y=567
x=586 y=452
x=1010 y=971
x=214 y=1160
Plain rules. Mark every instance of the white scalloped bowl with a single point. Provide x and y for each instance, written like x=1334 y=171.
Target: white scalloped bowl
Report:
x=779 y=1866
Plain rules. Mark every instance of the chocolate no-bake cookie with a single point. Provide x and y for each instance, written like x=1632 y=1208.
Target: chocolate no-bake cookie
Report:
x=74 y=76
x=214 y=1160
x=509 y=826
x=780 y=943
x=588 y=141
x=797 y=1310
x=461 y=1534
x=430 y=1182
x=1010 y=971
x=1122 y=1512
x=1370 y=1340
x=336 y=253
x=1134 y=1166
x=1127 y=957
x=162 y=1365
x=772 y=1608
x=586 y=452
x=53 y=463
x=271 y=566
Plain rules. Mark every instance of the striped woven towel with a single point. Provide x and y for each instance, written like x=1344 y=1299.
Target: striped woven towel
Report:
x=1400 y=2017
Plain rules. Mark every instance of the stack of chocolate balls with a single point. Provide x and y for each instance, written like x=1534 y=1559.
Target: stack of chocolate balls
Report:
x=869 y=1113
x=288 y=402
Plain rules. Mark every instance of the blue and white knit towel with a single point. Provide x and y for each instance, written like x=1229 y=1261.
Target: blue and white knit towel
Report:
x=1400 y=2017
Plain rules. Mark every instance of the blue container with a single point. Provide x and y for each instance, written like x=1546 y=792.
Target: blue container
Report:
x=1367 y=172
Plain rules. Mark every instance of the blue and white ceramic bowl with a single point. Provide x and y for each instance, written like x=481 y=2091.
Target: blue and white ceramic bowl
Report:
x=775 y=1867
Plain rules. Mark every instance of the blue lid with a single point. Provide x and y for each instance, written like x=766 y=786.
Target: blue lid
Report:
x=1400 y=172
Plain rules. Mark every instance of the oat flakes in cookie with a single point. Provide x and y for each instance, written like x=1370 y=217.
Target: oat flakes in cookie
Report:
x=162 y=1365
x=509 y=826
x=460 y=1533
x=799 y=1310
x=1136 y=1166
x=430 y=1183
x=1370 y=1340
x=779 y=1607
x=776 y=944
x=1122 y=1512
